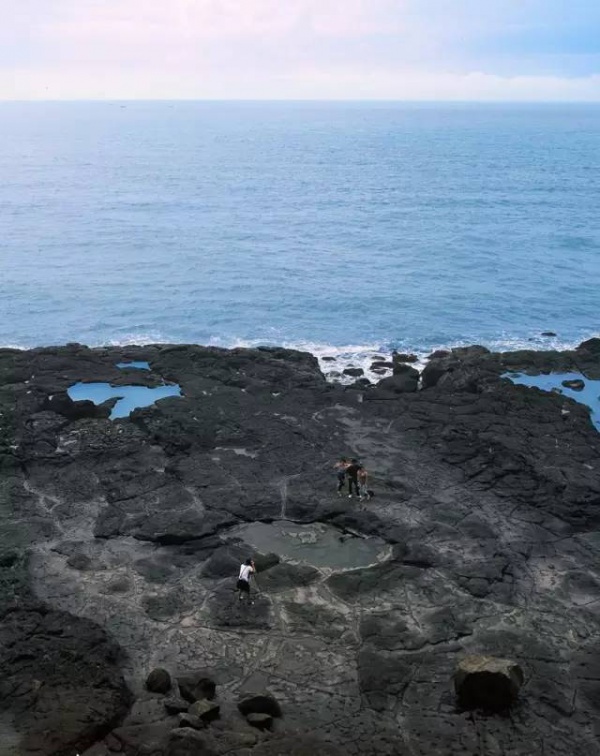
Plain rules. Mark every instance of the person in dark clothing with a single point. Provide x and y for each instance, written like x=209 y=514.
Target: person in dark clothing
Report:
x=340 y=468
x=352 y=475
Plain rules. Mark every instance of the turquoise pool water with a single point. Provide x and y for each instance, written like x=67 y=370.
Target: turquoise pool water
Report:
x=590 y=395
x=134 y=365
x=130 y=397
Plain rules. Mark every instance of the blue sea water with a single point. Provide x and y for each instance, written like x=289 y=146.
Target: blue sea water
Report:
x=346 y=226
x=589 y=395
x=129 y=397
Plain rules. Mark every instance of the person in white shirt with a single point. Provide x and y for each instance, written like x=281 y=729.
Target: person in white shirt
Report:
x=243 y=584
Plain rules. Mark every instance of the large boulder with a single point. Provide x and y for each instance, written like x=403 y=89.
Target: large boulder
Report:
x=205 y=710
x=158 y=681
x=259 y=703
x=402 y=382
x=196 y=686
x=488 y=683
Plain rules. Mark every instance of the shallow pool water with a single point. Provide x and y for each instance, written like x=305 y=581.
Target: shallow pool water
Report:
x=130 y=397
x=134 y=365
x=590 y=395
x=316 y=544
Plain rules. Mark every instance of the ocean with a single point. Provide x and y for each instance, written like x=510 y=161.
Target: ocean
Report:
x=341 y=228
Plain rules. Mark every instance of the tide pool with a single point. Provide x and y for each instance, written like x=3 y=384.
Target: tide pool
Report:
x=589 y=395
x=133 y=365
x=130 y=397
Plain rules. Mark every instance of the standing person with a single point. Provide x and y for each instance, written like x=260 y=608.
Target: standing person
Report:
x=341 y=466
x=363 y=480
x=352 y=475
x=247 y=569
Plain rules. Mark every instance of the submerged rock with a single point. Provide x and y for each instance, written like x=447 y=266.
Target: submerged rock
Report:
x=575 y=384
x=354 y=372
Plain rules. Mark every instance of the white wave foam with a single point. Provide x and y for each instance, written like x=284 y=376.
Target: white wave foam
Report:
x=354 y=355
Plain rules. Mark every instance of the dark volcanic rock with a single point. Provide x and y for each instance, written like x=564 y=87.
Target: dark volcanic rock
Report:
x=576 y=384
x=205 y=710
x=548 y=333
x=61 y=680
x=483 y=682
x=195 y=686
x=260 y=703
x=405 y=380
x=158 y=681
x=355 y=372
x=260 y=721
x=400 y=357
x=487 y=509
x=176 y=705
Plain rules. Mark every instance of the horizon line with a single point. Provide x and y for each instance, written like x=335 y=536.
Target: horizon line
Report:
x=370 y=100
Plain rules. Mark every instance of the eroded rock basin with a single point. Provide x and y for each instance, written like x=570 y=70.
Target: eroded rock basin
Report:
x=317 y=544
x=588 y=395
x=129 y=397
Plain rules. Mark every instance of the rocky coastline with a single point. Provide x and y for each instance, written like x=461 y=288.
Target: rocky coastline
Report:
x=119 y=549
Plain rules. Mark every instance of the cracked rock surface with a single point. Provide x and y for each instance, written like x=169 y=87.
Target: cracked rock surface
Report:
x=119 y=554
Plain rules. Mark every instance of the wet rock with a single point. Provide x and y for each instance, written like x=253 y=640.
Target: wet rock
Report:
x=196 y=686
x=259 y=703
x=548 y=333
x=381 y=365
x=575 y=384
x=484 y=682
x=158 y=681
x=354 y=372
x=205 y=710
x=260 y=721
x=399 y=357
x=328 y=359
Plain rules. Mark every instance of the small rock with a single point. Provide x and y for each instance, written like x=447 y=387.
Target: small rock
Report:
x=189 y=720
x=362 y=383
x=548 y=333
x=575 y=385
x=260 y=721
x=382 y=365
x=260 y=703
x=354 y=372
x=176 y=705
x=205 y=710
x=328 y=359
x=484 y=682
x=196 y=686
x=158 y=681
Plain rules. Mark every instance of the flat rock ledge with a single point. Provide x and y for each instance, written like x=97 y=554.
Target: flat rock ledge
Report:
x=119 y=551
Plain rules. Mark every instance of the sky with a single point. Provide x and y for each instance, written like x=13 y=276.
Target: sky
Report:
x=483 y=50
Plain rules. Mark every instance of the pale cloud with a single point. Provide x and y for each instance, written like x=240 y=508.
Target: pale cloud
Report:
x=286 y=49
